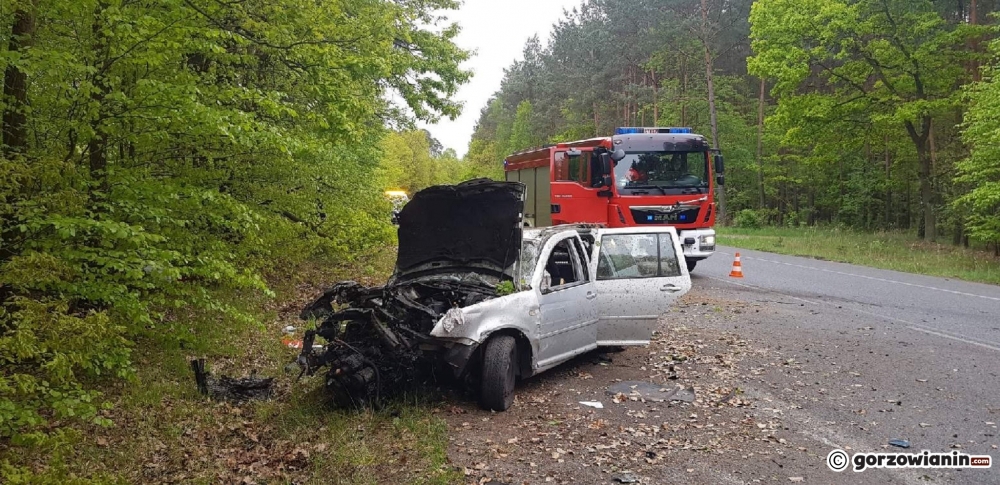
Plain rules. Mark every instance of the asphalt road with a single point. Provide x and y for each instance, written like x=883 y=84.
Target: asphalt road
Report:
x=796 y=359
x=949 y=309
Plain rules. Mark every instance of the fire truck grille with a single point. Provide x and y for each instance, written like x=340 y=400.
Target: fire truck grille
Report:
x=663 y=216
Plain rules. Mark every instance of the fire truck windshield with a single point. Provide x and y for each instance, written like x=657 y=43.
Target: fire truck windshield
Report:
x=669 y=173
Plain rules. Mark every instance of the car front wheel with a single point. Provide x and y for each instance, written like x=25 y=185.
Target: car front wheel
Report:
x=499 y=373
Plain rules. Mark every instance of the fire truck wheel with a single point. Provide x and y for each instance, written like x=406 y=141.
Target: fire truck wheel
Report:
x=691 y=264
x=499 y=373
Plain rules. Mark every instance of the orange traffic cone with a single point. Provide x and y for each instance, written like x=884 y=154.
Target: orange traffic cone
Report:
x=737 y=271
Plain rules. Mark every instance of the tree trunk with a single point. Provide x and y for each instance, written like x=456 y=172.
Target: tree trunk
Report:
x=15 y=84
x=97 y=147
x=760 y=142
x=930 y=220
x=812 y=206
x=597 y=124
x=684 y=86
x=975 y=42
x=720 y=190
x=924 y=156
x=888 y=185
x=656 y=100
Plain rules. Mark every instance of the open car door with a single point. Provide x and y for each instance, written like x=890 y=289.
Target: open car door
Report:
x=639 y=272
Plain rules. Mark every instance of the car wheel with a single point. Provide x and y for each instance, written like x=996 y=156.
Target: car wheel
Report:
x=691 y=263
x=496 y=390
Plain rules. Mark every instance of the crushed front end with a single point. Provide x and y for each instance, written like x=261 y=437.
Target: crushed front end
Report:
x=456 y=244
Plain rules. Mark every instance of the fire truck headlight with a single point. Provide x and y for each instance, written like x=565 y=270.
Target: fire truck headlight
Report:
x=707 y=240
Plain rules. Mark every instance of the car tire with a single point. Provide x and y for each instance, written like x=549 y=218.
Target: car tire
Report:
x=691 y=263
x=496 y=391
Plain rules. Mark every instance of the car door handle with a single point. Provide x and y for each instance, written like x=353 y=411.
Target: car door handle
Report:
x=671 y=288
x=591 y=295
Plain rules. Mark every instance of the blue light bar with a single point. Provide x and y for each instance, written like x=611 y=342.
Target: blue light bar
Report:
x=632 y=130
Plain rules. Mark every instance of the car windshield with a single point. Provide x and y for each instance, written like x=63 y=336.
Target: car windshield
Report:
x=663 y=172
x=526 y=263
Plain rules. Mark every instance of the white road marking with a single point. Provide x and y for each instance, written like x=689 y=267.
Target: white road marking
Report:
x=960 y=339
x=939 y=333
x=762 y=289
x=910 y=325
x=873 y=278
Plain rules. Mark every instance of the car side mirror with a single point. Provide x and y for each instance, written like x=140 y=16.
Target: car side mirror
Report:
x=606 y=169
x=720 y=169
x=618 y=154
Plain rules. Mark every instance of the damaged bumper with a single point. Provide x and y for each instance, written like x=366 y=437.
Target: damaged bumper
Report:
x=380 y=344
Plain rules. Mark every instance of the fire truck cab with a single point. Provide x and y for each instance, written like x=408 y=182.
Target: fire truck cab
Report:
x=637 y=177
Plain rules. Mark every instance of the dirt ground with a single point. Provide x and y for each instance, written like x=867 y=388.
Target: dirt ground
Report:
x=550 y=437
x=778 y=386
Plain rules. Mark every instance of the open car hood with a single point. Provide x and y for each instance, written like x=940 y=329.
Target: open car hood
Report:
x=473 y=227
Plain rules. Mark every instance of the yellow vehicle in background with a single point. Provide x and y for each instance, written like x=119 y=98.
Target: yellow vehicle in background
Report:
x=398 y=198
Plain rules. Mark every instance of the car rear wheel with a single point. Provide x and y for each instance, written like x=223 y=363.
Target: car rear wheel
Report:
x=499 y=373
x=691 y=263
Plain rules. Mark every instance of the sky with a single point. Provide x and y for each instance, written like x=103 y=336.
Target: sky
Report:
x=497 y=31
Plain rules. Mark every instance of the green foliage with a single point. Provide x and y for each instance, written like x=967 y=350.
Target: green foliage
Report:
x=980 y=170
x=505 y=288
x=409 y=162
x=178 y=152
x=748 y=218
x=856 y=80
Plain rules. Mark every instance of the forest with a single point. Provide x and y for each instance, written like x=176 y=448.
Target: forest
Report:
x=160 y=158
x=865 y=114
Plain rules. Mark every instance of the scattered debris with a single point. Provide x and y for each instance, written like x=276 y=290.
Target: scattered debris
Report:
x=796 y=479
x=593 y=404
x=625 y=478
x=684 y=395
x=900 y=443
x=648 y=391
x=237 y=390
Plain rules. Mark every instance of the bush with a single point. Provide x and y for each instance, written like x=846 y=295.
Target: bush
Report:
x=749 y=218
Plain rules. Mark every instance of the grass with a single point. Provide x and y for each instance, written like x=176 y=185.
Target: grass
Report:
x=164 y=431
x=887 y=250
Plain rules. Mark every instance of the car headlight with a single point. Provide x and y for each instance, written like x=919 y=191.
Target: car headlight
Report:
x=453 y=318
x=707 y=240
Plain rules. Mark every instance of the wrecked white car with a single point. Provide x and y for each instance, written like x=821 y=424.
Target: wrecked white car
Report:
x=476 y=296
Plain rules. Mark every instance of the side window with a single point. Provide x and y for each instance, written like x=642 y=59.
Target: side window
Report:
x=625 y=256
x=561 y=167
x=669 y=266
x=584 y=259
x=573 y=168
x=563 y=267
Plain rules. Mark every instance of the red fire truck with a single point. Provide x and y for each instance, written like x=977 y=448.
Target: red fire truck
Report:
x=638 y=176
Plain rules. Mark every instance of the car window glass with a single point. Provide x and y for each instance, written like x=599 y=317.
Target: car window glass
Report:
x=628 y=256
x=669 y=265
x=624 y=256
x=563 y=267
x=584 y=258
